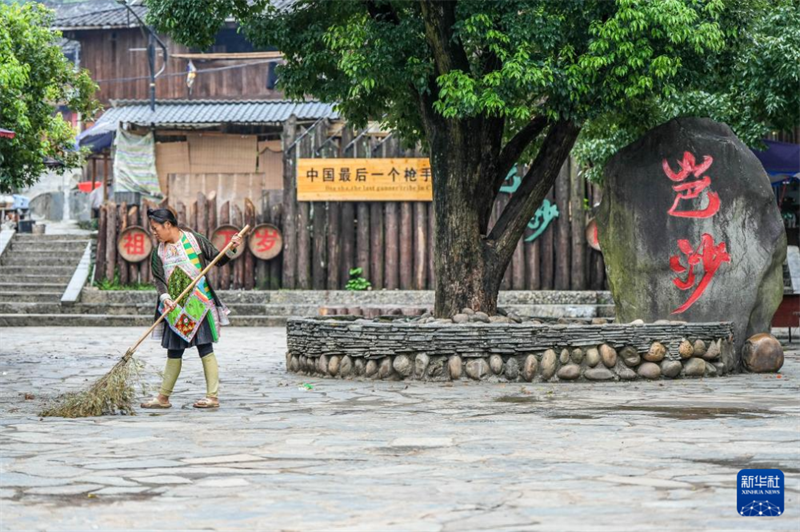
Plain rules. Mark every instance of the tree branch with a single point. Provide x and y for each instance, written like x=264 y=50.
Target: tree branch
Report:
x=439 y=17
x=534 y=187
x=513 y=149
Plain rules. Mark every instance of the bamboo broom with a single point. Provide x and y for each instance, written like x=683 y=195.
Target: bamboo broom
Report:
x=114 y=391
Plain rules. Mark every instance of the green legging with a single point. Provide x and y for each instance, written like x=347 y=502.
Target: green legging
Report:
x=210 y=369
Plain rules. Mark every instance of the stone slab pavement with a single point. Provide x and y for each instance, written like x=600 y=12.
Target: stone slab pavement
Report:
x=374 y=456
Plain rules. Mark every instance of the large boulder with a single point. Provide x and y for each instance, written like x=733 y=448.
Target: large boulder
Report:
x=690 y=230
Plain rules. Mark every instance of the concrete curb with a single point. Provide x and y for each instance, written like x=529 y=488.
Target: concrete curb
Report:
x=5 y=239
x=73 y=291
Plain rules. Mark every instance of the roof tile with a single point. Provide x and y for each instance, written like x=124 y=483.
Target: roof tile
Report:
x=210 y=112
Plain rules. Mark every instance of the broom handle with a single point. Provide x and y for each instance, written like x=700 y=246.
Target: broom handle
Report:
x=188 y=289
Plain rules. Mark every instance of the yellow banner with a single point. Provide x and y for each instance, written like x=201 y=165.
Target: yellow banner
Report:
x=364 y=180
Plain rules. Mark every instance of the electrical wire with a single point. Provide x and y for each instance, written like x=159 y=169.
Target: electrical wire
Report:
x=175 y=74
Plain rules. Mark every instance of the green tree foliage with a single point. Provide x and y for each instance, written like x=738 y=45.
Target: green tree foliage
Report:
x=486 y=84
x=34 y=78
x=753 y=85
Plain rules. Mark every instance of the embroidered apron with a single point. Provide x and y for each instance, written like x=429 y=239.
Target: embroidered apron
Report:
x=182 y=266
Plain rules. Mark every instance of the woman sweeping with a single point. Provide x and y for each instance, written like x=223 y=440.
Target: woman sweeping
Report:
x=195 y=320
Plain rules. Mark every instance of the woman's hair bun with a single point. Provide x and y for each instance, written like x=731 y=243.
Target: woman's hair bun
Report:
x=162 y=215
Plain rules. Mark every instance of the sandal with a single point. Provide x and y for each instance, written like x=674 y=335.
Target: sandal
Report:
x=155 y=403
x=207 y=402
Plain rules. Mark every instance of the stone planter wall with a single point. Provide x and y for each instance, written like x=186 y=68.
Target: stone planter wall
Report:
x=442 y=350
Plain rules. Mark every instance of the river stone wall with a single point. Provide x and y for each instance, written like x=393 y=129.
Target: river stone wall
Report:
x=526 y=352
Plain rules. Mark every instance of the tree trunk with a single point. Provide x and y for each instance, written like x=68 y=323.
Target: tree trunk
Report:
x=473 y=257
x=468 y=274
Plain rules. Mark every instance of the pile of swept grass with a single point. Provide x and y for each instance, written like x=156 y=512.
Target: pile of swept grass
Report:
x=113 y=393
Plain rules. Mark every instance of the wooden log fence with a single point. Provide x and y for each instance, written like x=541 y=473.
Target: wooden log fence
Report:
x=247 y=272
x=392 y=242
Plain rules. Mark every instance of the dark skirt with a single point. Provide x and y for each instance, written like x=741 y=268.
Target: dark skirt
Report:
x=171 y=340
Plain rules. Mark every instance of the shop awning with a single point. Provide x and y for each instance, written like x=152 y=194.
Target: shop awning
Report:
x=781 y=160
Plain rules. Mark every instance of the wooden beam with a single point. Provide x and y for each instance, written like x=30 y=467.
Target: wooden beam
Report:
x=229 y=56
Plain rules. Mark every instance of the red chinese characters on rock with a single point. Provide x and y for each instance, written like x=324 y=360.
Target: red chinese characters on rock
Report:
x=709 y=255
x=692 y=189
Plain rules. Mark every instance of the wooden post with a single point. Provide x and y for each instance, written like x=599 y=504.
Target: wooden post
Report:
x=334 y=247
x=406 y=246
x=289 y=204
x=122 y=223
x=249 y=280
x=376 y=245
x=578 y=228
x=392 y=262
x=347 y=225
x=238 y=264
x=534 y=281
x=599 y=269
x=304 y=246
x=202 y=215
x=518 y=267
x=211 y=211
x=500 y=207
x=320 y=253
x=106 y=178
x=225 y=271
x=348 y=228
x=192 y=223
x=563 y=229
x=144 y=266
x=319 y=223
x=431 y=247
x=100 y=252
x=547 y=253
x=420 y=244
x=94 y=172
x=276 y=217
x=133 y=267
x=361 y=149
x=261 y=273
x=362 y=239
x=304 y=257
x=181 y=213
x=111 y=240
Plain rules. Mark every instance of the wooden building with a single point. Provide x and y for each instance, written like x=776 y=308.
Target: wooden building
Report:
x=113 y=48
x=233 y=147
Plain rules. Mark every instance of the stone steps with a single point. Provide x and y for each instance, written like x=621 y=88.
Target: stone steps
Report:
x=22 y=297
x=124 y=320
x=29 y=237
x=53 y=306
x=32 y=287
x=47 y=247
x=26 y=258
x=35 y=278
x=45 y=250
x=37 y=270
x=377 y=298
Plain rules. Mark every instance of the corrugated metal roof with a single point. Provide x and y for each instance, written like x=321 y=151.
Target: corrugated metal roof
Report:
x=118 y=17
x=99 y=14
x=194 y=113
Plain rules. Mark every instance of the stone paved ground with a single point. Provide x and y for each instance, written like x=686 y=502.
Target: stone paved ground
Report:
x=350 y=455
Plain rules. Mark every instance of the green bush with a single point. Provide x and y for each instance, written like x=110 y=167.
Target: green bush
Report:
x=105 y=284
x=357 y=282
